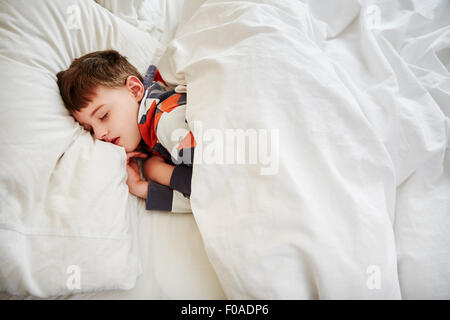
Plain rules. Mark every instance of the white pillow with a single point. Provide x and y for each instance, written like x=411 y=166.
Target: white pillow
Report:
x=65 y=210
x=157 y=17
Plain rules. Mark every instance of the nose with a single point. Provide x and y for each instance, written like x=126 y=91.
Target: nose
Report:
x=100 y=132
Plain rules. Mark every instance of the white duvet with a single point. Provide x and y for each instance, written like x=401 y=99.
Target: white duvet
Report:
x=353 y=201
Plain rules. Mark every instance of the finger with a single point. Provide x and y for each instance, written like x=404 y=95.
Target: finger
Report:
x=130 y=156
x=142 y=155
x=133 y=167
x=136 y=154
x=132 y=160
x=134 y=163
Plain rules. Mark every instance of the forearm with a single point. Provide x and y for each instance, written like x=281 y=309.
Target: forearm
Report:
x=175 y=177
x=140 y=189
x=163 y=174
x=157 y=170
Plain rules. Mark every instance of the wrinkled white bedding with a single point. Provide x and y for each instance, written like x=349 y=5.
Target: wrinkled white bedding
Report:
x=353 y=101
x=358 y=96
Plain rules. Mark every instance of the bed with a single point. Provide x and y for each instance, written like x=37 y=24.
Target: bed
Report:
x=322 y=169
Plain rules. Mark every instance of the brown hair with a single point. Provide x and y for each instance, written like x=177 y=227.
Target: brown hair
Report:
x=77 y=84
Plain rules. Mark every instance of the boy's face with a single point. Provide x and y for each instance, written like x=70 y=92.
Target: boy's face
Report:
x=112 y=114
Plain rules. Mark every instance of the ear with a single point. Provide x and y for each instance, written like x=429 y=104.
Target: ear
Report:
x=135 y=86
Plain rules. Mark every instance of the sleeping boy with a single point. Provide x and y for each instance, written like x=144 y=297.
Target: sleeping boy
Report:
x=109 y=98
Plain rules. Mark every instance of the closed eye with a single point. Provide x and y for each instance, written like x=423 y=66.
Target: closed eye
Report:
x=104 y=117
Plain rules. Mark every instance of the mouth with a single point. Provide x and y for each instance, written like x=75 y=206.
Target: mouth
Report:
x=116 y=140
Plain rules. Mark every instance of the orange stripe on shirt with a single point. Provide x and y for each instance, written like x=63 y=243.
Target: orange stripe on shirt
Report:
x=187 y=142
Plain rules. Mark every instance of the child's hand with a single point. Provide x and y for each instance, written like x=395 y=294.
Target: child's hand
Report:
x=136 y=185
x=135 y=154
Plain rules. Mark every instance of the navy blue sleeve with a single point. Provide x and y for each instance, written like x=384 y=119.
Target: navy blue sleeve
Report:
x=181 y=179
x=159 y=197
